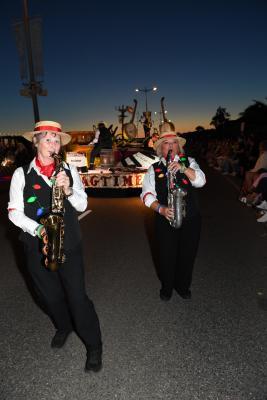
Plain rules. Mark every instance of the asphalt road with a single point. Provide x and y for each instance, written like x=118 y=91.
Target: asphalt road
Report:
x=210 y=348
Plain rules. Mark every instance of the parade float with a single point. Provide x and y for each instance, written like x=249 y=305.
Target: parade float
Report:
x=123 y=167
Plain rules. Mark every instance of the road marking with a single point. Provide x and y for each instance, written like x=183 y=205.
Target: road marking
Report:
x=81 y=216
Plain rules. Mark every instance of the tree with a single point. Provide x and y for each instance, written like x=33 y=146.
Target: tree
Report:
x=255 y=114
x=199 y=128
x=220 y=118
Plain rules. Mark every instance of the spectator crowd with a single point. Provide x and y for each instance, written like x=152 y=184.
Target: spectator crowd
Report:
x=13 y=154
x=244 y=157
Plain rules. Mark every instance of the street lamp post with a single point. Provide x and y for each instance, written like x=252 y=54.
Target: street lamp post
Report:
x=33 y=83
x=146 y=90
x=147 y=123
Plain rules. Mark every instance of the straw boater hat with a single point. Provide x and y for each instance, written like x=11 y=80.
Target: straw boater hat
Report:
x=169 y=135
x=48 y=126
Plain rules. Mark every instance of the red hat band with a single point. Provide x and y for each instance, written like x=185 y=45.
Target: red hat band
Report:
x=168 y=136
x=47 y=128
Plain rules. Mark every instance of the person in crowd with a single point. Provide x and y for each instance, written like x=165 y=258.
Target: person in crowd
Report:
x=150 y=140
x=62 y=292
x=21 y=155
x=261 y=188
x=252 y=174
x=177 y=247
x=224 y=159
x=147 y=123
x=102 y=140
x=258 y=196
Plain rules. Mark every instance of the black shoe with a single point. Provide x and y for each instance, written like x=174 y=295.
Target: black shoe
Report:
x=59 y=339
x=187 y=295
x=94 y=359
x=165 y=296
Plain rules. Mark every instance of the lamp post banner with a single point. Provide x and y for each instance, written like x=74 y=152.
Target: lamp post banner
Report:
x=18 y=29
x=35 y=24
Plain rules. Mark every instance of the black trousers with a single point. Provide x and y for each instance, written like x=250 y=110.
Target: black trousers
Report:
x=64 y=296
x=177 y=252
x=95 y=153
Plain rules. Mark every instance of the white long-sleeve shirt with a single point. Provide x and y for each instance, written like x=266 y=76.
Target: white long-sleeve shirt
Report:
x=16 y=200
x=95 y=140
x=149 y=195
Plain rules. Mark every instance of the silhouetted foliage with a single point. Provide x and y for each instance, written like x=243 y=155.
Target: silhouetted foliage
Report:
x=220 y=118
x=199 y=128
x=255 y=114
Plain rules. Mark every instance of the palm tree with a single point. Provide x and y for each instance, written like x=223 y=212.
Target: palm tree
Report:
x=220 y=118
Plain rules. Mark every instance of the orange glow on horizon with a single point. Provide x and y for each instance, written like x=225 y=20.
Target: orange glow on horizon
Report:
x=181 y=125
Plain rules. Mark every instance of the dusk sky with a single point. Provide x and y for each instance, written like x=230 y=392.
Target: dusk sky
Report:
x=200 y=55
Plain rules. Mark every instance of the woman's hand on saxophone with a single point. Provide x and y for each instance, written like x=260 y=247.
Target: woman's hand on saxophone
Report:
x=42 y=235
x=166 y=212
x=174 y=166
x=64 y=181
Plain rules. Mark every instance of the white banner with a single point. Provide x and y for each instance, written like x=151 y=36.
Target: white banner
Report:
x=77 y=159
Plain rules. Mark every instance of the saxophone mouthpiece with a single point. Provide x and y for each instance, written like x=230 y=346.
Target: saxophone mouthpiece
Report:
x=169 y=155
x=56 y=156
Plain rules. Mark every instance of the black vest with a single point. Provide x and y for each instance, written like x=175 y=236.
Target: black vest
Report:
x=161 y=187
x=37 y=203
x=105 y=138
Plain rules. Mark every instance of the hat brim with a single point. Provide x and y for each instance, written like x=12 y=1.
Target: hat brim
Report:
x=64 y=137
x=179 y=139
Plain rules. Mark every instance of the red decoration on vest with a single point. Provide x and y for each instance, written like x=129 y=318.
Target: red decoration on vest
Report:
x=36 y=186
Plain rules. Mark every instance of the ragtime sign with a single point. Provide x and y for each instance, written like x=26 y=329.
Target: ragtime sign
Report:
x=113 y=181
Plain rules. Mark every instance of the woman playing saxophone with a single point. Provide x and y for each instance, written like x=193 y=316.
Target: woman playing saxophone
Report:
x=39 y=191
x=177 y=243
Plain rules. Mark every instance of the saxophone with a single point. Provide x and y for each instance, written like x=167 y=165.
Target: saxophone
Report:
x=176 y=197
x=54 y=224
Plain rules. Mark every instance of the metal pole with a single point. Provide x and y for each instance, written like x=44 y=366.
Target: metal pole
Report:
x=146 y=98
x=122 y=121
x=32 y=84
